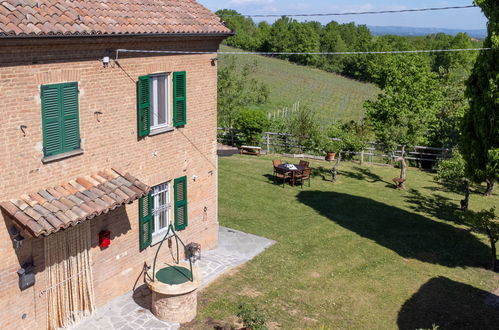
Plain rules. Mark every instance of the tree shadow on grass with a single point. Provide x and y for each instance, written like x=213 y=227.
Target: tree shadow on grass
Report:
x=450 y=305
x=435 y=205
x=408 y=234
x=324 y=173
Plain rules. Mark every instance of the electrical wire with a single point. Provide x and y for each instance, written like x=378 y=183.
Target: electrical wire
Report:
x=355 y=13
x=298 y=53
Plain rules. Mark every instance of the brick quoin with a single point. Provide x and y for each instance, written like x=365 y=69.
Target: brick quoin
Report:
x=108 y=140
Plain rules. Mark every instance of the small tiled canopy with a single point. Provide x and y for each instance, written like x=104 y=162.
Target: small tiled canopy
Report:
x=50 y=210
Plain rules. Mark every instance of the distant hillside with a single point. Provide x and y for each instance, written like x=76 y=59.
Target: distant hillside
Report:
x=421 y=31
x=333 y=97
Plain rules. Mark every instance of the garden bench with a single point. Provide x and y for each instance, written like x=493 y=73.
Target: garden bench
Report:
x=250 y=150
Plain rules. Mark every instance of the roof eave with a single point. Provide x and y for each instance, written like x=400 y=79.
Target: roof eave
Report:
x=81 y=36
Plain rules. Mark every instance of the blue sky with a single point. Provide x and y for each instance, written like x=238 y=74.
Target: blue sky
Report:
x=452 y=19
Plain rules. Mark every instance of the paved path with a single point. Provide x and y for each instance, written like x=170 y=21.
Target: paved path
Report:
x=132 y=310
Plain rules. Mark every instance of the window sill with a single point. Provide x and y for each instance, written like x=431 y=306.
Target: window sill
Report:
x=159 y=238
x=68 y=154
x=161 y=130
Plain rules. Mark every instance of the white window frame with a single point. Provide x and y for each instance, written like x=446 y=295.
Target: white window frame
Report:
x=157 y=191
x=154 y=101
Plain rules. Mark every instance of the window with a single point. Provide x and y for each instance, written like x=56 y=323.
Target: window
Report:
x=160 y=209
x=60 y=118
x=160 y=101
x=154 y=102
x=154 y=211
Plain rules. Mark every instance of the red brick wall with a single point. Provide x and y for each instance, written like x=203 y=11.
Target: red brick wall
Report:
x=108 y=142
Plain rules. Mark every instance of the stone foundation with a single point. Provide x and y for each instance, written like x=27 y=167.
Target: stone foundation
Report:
x=181 y=308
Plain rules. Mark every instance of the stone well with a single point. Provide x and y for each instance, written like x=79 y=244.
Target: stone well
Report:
x=174 y=296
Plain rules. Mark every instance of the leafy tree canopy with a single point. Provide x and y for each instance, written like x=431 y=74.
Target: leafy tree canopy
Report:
x=480 y=125
x=406 y=111
x=237 y=89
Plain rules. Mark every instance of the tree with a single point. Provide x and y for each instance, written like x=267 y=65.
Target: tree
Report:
x=480 y=125
x=486 y=222
x=331 y=41
x=447 y=132
x=406 y=110
x=246 y=36
x=450 y=172
x=288 y=35
x=252 y=123
x=236 y=89
x=305 y=128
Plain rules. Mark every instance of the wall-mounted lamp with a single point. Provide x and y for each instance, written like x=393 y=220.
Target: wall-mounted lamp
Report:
x=194 y=177
x=17 y=238
x=214 y=61
x=105 y=61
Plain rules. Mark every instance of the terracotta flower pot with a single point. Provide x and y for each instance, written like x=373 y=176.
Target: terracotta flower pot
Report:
x=330 y=156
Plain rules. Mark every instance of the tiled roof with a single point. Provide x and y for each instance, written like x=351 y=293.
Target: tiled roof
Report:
x=106 y=17
x=50 y=210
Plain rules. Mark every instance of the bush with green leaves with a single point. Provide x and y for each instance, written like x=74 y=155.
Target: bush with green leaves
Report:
x=341 y=137
x=251 y=316
x=252 y=123
x=450 y=172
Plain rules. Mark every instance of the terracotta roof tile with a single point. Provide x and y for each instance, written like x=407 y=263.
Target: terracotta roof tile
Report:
x=50 y=210
x=98 y=17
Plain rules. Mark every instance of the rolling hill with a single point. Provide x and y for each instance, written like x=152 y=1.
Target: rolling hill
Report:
x=332 y=96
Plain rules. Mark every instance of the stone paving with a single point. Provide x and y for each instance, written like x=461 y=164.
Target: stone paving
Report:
x=132 y=310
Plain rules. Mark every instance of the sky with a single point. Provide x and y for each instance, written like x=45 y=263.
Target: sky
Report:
x=451 y=19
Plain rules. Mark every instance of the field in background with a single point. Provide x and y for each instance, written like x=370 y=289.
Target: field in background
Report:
x=332 y=96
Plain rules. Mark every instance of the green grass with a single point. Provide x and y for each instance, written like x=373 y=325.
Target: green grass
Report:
x=333 y=97
x=355 y=254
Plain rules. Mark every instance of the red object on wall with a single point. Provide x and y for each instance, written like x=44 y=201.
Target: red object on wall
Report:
x=104 y=239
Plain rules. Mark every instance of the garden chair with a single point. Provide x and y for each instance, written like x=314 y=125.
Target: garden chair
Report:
x=305 y=175
x=282 y=174
x=304 y=163
x=276 y=163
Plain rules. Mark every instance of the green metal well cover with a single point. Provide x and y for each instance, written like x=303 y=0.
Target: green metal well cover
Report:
x=174 y=275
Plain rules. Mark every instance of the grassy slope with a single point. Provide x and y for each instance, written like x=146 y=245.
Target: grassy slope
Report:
x=334 y=97
x=356 y=254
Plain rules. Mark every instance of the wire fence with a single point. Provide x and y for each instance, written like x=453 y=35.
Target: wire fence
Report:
x=287 y=144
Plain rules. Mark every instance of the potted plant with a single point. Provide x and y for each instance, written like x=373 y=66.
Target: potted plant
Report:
x=330 y=147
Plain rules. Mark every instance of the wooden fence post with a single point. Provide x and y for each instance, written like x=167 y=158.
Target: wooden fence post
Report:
x=267 y=137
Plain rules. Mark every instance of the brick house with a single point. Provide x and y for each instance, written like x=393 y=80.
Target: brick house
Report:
x=94 y=148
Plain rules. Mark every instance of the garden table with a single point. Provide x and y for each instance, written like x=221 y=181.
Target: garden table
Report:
x=295 y=170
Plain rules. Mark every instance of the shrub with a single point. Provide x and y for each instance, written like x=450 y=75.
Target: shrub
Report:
x=252 y=123
x=251 y=316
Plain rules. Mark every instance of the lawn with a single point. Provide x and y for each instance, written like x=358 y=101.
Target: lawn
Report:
x=332 y=96
x=354 y=254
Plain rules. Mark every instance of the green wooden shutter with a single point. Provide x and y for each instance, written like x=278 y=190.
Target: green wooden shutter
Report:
x=70 y=121
x=179 y=99
x=51 y=120
x=145 y=221
x=180 y=193
x=60 y=118
x=143 y=106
